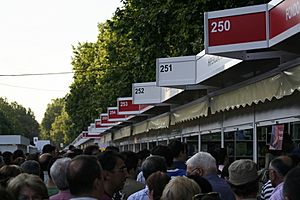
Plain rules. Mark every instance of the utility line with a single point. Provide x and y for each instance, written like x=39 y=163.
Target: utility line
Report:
x=37 y=74
x=30 y=88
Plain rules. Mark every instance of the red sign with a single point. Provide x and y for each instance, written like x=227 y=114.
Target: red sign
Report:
x=237 y=29
x=104 y=120
x=113 y=115
x=127 y=107
x=99 y=125
x=284 y=16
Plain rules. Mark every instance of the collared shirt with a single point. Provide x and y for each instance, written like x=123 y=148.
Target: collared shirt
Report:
x=220 y=185
x=62 y=195
x=179 y=164
x=140 y=195
x=277 y=193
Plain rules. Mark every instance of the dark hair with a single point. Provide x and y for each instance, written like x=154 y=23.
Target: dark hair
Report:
x=31 y=167
x=18 y=153
x=48 y=148
x=7 y=157
x=143 y=154
x=72 y=147
x=246 y=190
x=156 y=182
x=202 y=182
x=291 y=184
x=5 y=194
x=112 y=148
x=89 y=150
x=108 y=159
x=176 y=147
x=131 y=160
x=153 y=164
x=282 y=164
x=7 y=172
x=82 y=171
x=165 y=152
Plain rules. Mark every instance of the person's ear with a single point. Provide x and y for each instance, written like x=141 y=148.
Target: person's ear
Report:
x=106 y=175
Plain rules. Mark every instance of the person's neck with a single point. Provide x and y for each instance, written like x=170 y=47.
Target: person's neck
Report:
x=108 y=189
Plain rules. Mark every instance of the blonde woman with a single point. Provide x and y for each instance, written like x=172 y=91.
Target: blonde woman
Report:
x=28 y=186
x=180 y=188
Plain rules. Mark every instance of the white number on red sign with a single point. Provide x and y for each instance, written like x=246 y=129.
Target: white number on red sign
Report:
x=123 y=103
x=220 y=26
x=112 y=112
x=139 y=91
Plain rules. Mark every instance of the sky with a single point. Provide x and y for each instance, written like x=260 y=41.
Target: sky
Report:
x=36 y=36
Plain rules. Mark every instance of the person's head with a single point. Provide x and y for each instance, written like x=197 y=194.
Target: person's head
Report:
x=7 y=172
x=26 y=186
x=131 y=162
x=2 y=163
x=201 y=164
x=114 y=171
x=179 y=188
x=202 y=182
x=165 y=152
x=142 y=155
x=7 y=157
x=278 y=168
x=156 y=183
x=91 y=150
x=243 y=178
x=58 y=173
x=84 y=175
x=179 y=149
x=72 y=147
x=31 y=167
x=48 y=148
x=112 y=148
x=153 y=164
x=292 y=184
x=44 y=161
x=5 y=194
x=18 y=154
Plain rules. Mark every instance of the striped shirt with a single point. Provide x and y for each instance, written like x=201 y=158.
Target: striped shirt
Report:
x=266 y=190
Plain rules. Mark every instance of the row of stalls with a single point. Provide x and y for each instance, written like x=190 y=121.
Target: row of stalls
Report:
x=241 y=93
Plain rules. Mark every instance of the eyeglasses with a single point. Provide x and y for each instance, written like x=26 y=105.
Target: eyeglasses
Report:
x=213 y=195
x=192 y=171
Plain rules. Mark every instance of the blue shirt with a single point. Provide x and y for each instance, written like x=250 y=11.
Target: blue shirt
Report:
x=221 y=186
x=140 y=195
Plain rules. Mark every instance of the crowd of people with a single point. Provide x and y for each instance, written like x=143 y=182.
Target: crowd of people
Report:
x=162 y=173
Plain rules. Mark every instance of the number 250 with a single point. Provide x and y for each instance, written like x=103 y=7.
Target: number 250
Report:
x=220 y=26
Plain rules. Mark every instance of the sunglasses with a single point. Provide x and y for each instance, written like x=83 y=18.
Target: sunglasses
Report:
x=210 y=196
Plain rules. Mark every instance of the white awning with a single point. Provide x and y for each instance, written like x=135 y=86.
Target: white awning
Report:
x=107 y=137
x=123 y=132
x=159 y=122
x=190 y=112
x=278 y=86
x=140 y=128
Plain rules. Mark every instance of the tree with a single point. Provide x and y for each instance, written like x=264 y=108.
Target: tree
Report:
x=127 y=48
x=17 y=120
x=53 y=110
x=60 y=129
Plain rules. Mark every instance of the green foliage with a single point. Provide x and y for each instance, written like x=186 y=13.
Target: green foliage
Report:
x=60 y=129
x=127 y=48
x=53 y=110
x=17 y=120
